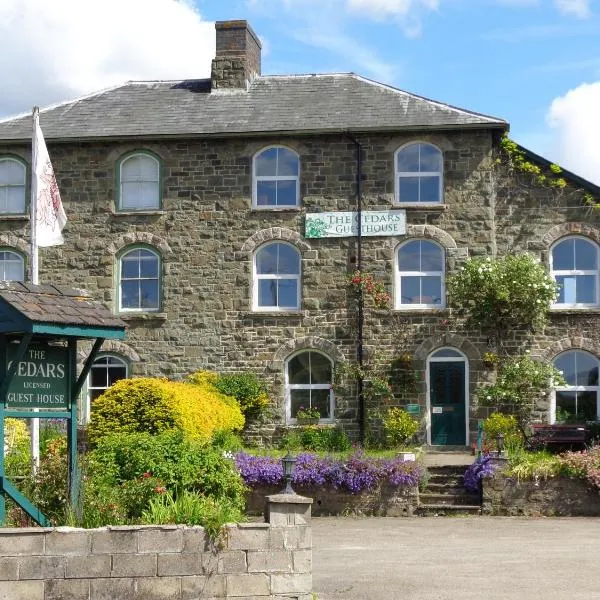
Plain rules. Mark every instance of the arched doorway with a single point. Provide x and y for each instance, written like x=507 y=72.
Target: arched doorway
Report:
x=447 y=398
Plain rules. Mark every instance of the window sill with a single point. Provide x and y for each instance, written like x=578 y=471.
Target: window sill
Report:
x=274 y=313
x=276 y=209
x=130 y=213
x=592 y=310
x=421 y=311
x=419 y=206
x=23 y=217
x=143 y=316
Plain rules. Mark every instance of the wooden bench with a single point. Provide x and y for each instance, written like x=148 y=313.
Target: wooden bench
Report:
x=559 y=435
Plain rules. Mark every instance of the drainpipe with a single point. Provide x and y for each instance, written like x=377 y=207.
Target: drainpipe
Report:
x=361 y=303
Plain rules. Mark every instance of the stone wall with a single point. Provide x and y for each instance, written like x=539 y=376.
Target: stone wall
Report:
x=266 y=561
x=207 y=230
x=556 y=497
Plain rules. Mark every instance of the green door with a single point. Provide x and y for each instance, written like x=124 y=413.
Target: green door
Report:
x=447 y=402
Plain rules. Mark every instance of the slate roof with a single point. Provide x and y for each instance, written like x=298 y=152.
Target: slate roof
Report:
x=272 y=104
x=57 y=305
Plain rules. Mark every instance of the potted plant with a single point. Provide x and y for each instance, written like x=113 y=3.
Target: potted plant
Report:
x=308 y=416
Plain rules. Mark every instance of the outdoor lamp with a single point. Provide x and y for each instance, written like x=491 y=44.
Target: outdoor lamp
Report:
x=500 y=443
x=288 y=462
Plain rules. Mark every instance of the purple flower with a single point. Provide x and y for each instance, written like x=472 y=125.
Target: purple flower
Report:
x=482 y=467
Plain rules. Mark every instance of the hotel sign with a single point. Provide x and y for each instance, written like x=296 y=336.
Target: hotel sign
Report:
x=41 y=379
x=345 y=224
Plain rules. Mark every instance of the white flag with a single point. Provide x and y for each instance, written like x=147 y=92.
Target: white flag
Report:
x=50 y=218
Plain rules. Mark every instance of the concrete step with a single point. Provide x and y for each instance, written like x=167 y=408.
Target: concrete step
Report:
x=447 y=510
x=459 y=499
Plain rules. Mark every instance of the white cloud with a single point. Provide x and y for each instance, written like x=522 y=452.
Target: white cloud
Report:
x=575 y=121
x=381 y=9
x=576 y=8
x=65 y=48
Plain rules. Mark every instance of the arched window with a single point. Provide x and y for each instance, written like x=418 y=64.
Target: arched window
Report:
x=139 y=280
x=276 y=178
x=574 y=266
x=12 y=266
x=106 y=370
x=577 y=401
x=276 y=277
x=13 y=175
x=308 y=379
x=420 y=276
x=419 y=174
x=139 y=182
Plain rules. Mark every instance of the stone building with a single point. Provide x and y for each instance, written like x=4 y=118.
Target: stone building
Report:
x=187 y=203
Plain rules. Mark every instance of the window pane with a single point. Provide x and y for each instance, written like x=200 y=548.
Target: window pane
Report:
x=12 y=172
x=149 y=266
x=410 y=290
x=132 y=195
x=430 y=189
x=409 y=257
x=267 y=292
x=408 y=159
x=563 y=256
x=431 y=158
x=319 y=399
x=431 y=288
x=148 y=168
x=266 y=260
x=130 y=297
x=266 y=162
x=320 y=368
x=130 y=266
x=116 y=373
x=289 y=260
x=298 y=399
x=586 y=367
x=431 y=257
x=565 y=406
x=286 y=193
x=287 y=163
x=409 y=189
x=447 y=353
x=149 y=195
x=15 y=199
x=266 y=193
x=298 y=369
x=586 y=289
x=99 y=376
x=585 y=255
x=288 y=293
x=566 y=363
x=586 y=406
x=13 y=271
x=149 y=293
x=567 y=289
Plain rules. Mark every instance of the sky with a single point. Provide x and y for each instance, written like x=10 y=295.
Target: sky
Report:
x=535 y=63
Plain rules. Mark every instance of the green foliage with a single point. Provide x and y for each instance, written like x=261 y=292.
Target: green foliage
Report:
x=227 y=441
x=520 y=384
x=157 y=405
x=192 y=508
x=365 y=283
x=499 y=423
x=399 y=426
x=247 y=389
x=17 y=448
x=317 y=439
x=533 y=465
x=509 y=292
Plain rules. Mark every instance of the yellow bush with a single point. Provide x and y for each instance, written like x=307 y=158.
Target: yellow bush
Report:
x=16 y=434
x=156 y=405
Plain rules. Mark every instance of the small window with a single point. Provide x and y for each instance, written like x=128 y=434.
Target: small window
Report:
x=139 y=182
x=420 y=276
x=106 y=370
x=277 y=277
x=419 y=174
x=12 y=266
x=308 y=384
x=574 y=266
x=13 y=176
x=577 y=401
x=139 y=280
x=276 y=178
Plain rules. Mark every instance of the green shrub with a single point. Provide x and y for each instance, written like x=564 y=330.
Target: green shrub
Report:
x=317 y=439
x=399 y=426
x=499 y=423
x=534 y=465
x=146 y=405
x=17 y=448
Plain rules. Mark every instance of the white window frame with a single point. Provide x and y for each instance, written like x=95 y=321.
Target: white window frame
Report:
x=307 y=386
x=574 y=388
x=562 y=272
x=404 y=174
x=7 y=159
x=156 y=181
x=85 y=417
x=256 y=278
x=256 y=178
x=122 y=255
x=18 y=258
x=399 y=274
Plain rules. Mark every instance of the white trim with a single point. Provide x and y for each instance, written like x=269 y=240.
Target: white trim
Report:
x=419 y=174
x=398 y=305
x=307 y=386
x=256 y=178
x=123 y=254
x=87 y=402
x=431 y=358
x=575 y=272
x=256 y=278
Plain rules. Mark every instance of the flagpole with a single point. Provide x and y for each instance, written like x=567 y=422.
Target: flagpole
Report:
x=33 y=269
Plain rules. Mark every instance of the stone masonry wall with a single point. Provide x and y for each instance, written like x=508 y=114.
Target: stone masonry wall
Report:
x=253 y=561
x=207 y=230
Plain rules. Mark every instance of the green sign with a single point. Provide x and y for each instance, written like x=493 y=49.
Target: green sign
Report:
x=345 y=224
x=413 y=409
x=41 y=379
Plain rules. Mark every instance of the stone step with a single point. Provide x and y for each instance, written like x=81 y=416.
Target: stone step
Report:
x=447 y=470
x=447 y=510
x=446 y=479
x=444 y=488
x=445 y=499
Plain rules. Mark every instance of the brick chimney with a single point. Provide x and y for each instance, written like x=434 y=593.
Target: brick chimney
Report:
x=237 y=57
